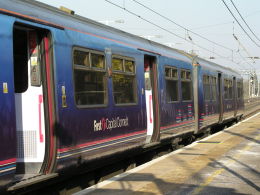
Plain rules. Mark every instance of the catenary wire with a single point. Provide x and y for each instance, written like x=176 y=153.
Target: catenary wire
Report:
x=244 y=21
x=165 y=29
x=239 y=23
x=170 y=20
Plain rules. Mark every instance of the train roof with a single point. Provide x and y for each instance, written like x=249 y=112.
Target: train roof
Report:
x=211 y=65
x=48 y=15
x=51 y=16
x=217 y=67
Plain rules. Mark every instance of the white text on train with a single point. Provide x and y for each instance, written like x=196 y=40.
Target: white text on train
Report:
x=106 y=124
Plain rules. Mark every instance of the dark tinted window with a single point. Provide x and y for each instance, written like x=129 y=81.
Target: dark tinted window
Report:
x=206 y=87
x=228 y=89
x=214 y=88
x=239 y=90
x=20 y=50
x=89 y=78
x=186 y=85
x=171 y=80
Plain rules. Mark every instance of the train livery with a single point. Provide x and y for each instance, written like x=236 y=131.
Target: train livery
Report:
x=74 y=91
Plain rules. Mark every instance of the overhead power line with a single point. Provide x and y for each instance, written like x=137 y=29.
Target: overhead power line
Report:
x=244 y=21
x=172 y=33
x=239 y=23
x=241 y=45
x=170 y=20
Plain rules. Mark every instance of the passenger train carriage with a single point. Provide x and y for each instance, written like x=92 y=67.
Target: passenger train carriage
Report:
x=74 y=91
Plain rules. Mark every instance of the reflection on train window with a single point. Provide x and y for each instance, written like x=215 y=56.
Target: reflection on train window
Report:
x=97 y=61
x=129 y=66
x=214 y=88
x=171 y=80
x=117 y=64
x=186 y=85
x=124 y=82
x=81 y=58
x=239 y=90
x=228 y=89
x=206 y=87
x=89 y=78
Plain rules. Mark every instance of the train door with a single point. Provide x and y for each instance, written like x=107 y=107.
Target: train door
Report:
x=30 y=99
x=151 y=96
x=220 y=97
x=235 y=95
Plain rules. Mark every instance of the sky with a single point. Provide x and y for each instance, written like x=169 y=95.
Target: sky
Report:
x=207 y=18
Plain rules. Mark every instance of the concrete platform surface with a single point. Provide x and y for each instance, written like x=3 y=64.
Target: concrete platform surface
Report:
x=225 y=163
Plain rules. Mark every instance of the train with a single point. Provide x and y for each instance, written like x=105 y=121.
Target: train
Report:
x=74 y=91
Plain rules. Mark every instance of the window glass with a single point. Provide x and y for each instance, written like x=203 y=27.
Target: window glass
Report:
x=89 y=78
x=174 y=73
x=226 y=93
x=186 y=91
x=171 y=80
x=186 y=85
x=123 y=89
x=239 y=90
x=206 y=87
x=214 y=88
x=230 y=89
x=81 y=58
x=97 y=61
x=188 y=75
x=124 y=84
x=183 y=74
x=20 y=54
x=168 y=72
x=172 y=90
x=117 y=64
x=89 y=87
x=129 y=66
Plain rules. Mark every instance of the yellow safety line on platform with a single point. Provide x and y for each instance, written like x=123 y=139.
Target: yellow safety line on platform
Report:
x=221 y=170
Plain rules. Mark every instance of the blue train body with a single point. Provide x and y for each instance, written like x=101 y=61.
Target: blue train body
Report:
x=73 y=134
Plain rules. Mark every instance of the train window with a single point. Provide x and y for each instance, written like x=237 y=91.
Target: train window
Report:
x=89 y=78
x=20 y=61
x=81 y=58
x=97 y=61
x=171 y=79
x=239 y=90
x=230 y=89
x=206 y=87
x=226 y=89
x=124 y=84
x=168 y=72
x=186 y=85
x=129 y=66
x=117 y=64
x=214 y=88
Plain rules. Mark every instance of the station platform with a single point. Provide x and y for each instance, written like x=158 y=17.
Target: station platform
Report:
x=227 y=162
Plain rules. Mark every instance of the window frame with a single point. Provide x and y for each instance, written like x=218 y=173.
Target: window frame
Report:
x=124 y=72
x=91 y=69
x=171 y=78
x=186 y=80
